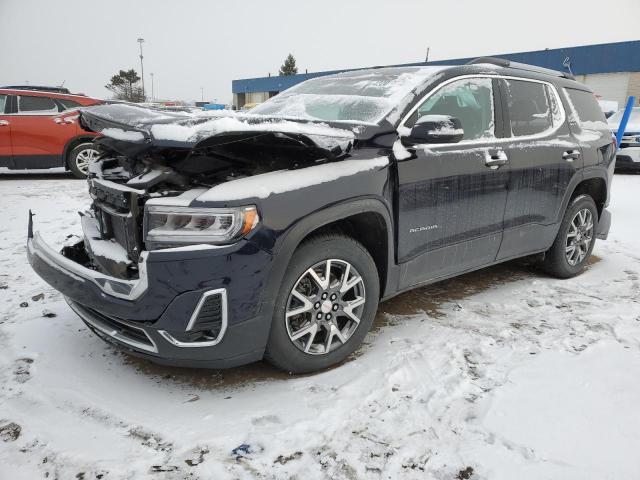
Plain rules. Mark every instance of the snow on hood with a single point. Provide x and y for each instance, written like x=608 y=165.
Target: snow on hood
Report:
x=266 y=184
x=135 y=124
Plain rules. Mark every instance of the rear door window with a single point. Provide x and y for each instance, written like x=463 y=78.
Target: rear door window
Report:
x=3 y=103
x=531 y=111
x=32 y=105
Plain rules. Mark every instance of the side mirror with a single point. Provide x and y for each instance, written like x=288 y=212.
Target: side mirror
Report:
x=436 y=129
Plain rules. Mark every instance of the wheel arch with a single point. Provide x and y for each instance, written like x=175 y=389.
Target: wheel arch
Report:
x=73 y=143
x=592 y=183
x=349 y=218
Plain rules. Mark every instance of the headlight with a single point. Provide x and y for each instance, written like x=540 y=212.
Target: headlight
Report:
x=164 y=225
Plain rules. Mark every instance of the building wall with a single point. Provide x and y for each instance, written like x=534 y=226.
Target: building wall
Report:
x=634 y=86
x=608 y=86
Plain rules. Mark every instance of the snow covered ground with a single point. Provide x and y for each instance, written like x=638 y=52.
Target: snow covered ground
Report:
x=500 y=374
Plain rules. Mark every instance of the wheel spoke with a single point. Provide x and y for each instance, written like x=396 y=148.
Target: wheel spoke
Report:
x=348 y=309
x=312 y=337
x=311 y=328
x=349 y=284
x=323 y=283
x=307 y=304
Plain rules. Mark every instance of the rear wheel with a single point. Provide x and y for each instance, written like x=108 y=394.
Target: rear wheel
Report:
x=326 y=305
x=80 y=157
x=574 y=243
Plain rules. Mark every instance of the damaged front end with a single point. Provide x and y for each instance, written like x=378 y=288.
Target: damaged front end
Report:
x=157 y=270
x=143 y=168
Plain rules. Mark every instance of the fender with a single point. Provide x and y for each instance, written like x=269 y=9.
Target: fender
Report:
x=292 y=238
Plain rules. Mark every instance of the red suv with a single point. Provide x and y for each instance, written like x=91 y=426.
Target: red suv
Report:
x=35 y=134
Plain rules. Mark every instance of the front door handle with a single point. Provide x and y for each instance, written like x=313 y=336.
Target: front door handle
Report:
x=495 y=160
x=4 y=123
x=571 y=155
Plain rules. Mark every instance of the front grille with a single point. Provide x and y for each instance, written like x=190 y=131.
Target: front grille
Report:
x=117 y=211
x=209 y=316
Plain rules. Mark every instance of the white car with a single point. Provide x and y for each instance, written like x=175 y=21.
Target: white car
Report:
x=628 y=156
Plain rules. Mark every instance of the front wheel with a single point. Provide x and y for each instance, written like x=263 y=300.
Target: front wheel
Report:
x=574 y=243
x=326 y=305
x=79 y=159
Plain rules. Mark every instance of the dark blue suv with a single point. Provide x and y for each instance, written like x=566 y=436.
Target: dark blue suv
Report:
x=217 y=239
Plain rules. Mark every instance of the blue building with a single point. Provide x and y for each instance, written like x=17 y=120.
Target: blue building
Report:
x=612 y=70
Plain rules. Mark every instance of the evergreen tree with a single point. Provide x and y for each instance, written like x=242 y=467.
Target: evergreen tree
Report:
x=126 y=86
x=289 y=66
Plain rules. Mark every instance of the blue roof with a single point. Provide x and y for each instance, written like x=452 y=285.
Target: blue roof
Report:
x=602 y=58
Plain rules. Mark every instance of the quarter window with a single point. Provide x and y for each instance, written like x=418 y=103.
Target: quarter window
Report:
x=3 y=103
x=470 y=100
x=29 y=104
x=530 y=112
x=69 y=104
x=586 y=107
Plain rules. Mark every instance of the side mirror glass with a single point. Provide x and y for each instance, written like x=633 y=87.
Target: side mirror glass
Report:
x=436 y=129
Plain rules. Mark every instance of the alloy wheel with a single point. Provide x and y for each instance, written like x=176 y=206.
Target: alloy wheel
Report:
x=84 y=157
x=325 y=306
x=579 y=237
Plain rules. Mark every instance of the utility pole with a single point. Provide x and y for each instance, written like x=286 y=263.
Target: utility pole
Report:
x=153 y=97
x=141 y=41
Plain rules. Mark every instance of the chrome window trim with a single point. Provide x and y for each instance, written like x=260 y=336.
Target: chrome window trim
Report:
x=223 y=328
x=485 y=141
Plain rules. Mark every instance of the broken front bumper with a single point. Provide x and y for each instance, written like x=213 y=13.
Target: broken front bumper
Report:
x=156 y=316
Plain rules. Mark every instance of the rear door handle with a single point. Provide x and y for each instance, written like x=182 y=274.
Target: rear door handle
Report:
x=571 y=155
x=495 y=160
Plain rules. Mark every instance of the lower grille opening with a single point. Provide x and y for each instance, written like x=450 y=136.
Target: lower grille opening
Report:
x=118 y=329
x=209 y=315
x=206 y=326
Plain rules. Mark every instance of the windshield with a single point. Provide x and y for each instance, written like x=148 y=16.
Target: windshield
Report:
x=634 y=119
x=359 y=97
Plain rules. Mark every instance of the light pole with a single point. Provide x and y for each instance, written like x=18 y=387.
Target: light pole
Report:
x=141 y=41
x=202 y=93
x=153 y=97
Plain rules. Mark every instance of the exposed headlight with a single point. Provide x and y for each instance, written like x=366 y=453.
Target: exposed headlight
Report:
x=164 y=225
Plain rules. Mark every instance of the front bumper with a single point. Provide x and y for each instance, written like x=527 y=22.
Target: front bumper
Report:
x=149 y=316
x=628 y=157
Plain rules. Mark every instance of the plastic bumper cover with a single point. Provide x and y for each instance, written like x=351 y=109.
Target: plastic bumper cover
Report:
x=146 y=316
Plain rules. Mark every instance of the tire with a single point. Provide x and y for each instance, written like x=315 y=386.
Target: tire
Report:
x=337 y=326
x=79 y=158
x=559 y=259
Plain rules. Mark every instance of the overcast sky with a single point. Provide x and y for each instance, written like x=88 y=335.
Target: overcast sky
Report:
x=197 y=43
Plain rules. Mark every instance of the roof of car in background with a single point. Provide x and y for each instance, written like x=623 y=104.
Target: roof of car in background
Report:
x=38 y=88
x=43 y=93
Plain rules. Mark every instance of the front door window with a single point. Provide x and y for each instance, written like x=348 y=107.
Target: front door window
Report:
x=470 y=100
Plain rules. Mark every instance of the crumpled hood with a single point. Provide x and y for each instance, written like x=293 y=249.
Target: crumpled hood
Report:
x=134 y=124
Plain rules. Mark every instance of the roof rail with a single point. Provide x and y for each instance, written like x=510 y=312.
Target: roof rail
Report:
x=38 y=88
x=503 y=62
